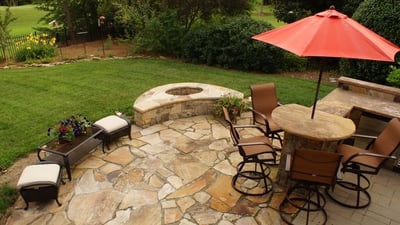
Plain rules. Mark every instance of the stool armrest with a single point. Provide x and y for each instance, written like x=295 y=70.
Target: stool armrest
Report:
x=249 y=126
x=364 y=136
x=255 y=143
x=370 y=137
x=262 y=115
x=372 y=155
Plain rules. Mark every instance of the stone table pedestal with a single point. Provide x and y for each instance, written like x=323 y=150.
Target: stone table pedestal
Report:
x=320 y=133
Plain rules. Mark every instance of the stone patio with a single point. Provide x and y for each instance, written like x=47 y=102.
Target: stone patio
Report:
x=179 y=173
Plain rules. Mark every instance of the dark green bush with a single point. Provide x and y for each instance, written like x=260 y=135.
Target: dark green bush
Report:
x=229 y=44
x=162 y=34
x=382 y=17
x=294 y=63
x=394 y=76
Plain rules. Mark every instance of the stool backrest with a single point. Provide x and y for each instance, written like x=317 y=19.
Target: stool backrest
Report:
x=263 y=98
x=388 y=140
x=234 y=133
x=315 y=166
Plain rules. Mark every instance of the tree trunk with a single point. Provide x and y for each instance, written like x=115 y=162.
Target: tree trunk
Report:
x=69 y=20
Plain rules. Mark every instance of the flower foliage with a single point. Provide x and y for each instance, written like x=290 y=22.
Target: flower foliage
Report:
x=69 y=128
x=36 y=47
x=234 y=105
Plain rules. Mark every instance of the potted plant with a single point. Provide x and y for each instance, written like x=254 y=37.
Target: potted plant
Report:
x=233 y=104
x=66 y=130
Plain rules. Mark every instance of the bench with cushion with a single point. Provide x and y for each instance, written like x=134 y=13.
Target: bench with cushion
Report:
x=40 y=182
x=113 y=127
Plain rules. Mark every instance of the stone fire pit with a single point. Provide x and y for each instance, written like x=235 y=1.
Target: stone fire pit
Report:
x=178 y=100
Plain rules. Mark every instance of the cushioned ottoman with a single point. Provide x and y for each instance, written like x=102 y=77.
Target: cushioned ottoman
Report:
x=113 y=127
x=40 y=182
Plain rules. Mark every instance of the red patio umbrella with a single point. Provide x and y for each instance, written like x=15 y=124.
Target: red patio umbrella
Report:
x=330 y=34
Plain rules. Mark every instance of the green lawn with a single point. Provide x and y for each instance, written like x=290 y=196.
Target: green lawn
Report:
x=265 y=14
x=27 y=19
x=34 y=99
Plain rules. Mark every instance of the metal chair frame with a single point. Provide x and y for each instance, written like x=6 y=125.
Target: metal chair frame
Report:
x=379 y=149
x=252 y=149
x=310 y=169
x=262 y=112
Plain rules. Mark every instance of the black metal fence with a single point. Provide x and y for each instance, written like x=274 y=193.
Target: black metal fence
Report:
x=11 y=47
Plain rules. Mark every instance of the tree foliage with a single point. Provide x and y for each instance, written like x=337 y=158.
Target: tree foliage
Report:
x=290 y=11
x=190 y=11
x=162 y=34
x=4 y=29
x=381 y=16
x=15 y=2
x=127 y=18
x=75 y=15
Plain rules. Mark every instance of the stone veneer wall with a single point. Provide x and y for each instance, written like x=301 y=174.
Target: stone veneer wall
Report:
x=178 y=100
x=371 y=89
x=175 y=111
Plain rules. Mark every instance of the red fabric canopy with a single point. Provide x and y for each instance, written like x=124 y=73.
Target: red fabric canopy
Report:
x=330 y=34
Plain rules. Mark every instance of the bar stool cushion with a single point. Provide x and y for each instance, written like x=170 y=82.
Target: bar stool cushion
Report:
x=111 y=123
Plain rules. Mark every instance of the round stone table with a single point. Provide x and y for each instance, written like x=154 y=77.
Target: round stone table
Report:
x=321 y=133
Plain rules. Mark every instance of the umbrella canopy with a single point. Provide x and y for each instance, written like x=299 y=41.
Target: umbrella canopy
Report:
x=330 y=34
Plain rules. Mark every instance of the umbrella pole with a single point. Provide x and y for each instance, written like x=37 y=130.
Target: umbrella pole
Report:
x=319 y=84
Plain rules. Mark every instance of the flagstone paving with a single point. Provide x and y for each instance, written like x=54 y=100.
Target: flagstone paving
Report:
x=177 y=173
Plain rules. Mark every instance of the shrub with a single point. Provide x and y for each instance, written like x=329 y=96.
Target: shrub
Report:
x=229 y=44
x=394 y=76
x=381 y=16
x=162 y=34
x=35 y=47
x=294 y=63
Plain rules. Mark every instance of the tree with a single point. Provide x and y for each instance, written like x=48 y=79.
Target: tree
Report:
x=292 y=10
x=191 y=11
x=4 y=30
x=128 y=17
x=75 y=15
x=68 y=19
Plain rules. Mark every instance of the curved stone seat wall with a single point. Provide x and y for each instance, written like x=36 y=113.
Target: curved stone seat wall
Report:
x=178 y=100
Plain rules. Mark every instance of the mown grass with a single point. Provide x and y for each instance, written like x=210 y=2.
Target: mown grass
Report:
x=34 y=99
x=265 y=13
x=27 y=19
x=8 y=195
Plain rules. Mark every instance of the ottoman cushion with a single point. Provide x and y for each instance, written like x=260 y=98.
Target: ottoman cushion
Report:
x=111 y=123
x=40 y=174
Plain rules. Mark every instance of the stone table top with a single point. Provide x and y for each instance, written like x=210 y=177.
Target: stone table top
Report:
x=296 y=119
